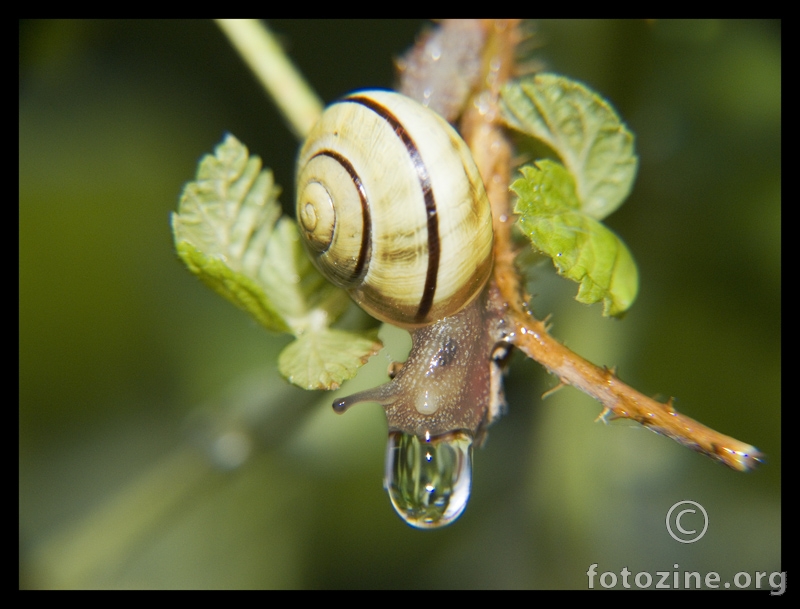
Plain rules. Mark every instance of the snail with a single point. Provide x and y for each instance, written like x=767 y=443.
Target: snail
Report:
x=391 y=207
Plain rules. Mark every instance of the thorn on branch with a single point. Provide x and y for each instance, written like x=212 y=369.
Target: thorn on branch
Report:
x=605 y=416
x=550 y=392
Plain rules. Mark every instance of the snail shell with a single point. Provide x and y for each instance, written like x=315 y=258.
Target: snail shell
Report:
x=392 y=208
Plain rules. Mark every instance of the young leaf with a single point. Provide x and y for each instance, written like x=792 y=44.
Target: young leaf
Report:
x=230 y=233
x=323 y=359
x=582 y=248
x=241 y=290
x=583 y=129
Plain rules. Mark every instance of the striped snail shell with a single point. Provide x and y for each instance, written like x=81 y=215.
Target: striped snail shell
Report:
x=392 y=208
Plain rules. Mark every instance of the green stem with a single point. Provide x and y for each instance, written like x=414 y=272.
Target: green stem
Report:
x=294 y=97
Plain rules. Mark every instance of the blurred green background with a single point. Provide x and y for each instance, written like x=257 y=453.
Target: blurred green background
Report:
x=158 y=447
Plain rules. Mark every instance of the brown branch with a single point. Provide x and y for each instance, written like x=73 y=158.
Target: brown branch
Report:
x=621 y=401
x=493 y=153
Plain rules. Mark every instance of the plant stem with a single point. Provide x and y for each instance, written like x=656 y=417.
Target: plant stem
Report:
x=284 y=84
x=622 y=401
x=493 y=156
x=492 y=153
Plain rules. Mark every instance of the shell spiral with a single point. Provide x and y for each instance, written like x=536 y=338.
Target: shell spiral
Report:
x=392 y=208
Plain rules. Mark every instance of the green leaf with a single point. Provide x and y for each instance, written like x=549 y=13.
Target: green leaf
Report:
x=325 y=358
x=306 y=299
x=583 y=129
x=230 y=233
x=582 y=248
x=236 y=287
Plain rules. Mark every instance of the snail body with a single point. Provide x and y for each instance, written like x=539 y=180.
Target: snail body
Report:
x=438 y=406
x=392 y=208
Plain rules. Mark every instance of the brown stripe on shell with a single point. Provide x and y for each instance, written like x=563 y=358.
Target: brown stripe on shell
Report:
x=434 y=246
x=366 y=229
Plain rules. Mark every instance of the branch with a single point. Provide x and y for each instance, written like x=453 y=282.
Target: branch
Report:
x=622 y=401
x=493 y=156
x=492 y=152
x=278 y=75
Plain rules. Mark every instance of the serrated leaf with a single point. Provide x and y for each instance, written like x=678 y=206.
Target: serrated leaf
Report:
x=325 y=358
x=236 y=287
x=583 y=129
x=582 y=248
x=229 y=232
x=307 y=300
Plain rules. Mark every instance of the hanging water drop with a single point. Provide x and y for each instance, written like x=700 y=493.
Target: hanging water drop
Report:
x=429 y=479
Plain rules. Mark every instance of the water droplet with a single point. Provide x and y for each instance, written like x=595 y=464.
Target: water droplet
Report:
x=429 y=479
